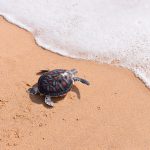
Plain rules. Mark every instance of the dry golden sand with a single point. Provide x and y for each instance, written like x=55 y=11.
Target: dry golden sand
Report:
x=113 y=113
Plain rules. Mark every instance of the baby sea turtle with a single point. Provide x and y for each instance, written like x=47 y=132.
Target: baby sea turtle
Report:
x=55 y=83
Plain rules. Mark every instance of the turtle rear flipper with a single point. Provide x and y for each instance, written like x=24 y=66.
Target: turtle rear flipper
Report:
x=42 y=71
x=33 y=90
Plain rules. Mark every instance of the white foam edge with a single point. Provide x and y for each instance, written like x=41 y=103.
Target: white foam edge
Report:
x=14 y=21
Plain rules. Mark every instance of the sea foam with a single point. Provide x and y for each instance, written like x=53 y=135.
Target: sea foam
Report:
x=108 y=31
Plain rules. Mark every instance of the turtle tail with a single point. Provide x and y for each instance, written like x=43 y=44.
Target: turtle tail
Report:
x=42 y=71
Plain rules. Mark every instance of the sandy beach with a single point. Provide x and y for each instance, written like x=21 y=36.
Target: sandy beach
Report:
x=110 y=114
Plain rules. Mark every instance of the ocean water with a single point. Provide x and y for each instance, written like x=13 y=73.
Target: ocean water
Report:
x=108 y=31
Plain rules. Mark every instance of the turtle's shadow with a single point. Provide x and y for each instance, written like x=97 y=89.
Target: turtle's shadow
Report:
x=76 y=90
x=38 y=99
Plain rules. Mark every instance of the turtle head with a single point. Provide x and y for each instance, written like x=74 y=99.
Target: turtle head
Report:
x=73 y=71
x=69 y=73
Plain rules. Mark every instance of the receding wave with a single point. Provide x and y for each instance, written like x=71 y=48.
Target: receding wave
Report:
x=108 y=31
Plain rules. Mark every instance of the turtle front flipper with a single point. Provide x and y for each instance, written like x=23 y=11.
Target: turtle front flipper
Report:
x=33 y=90
x=49 y=101
x=81 y=80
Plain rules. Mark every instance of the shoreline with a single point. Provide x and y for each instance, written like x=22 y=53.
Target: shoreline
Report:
x=111 y=113
x=72 y=58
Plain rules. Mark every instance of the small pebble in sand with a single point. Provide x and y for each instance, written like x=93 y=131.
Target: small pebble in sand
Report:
x=98 y=108
x=8 y=144
x=45 y=115
x=40 y=125
x=15 y=144
x=28 y=84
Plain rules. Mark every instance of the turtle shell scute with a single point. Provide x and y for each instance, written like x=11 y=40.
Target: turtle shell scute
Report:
x=51 y=83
